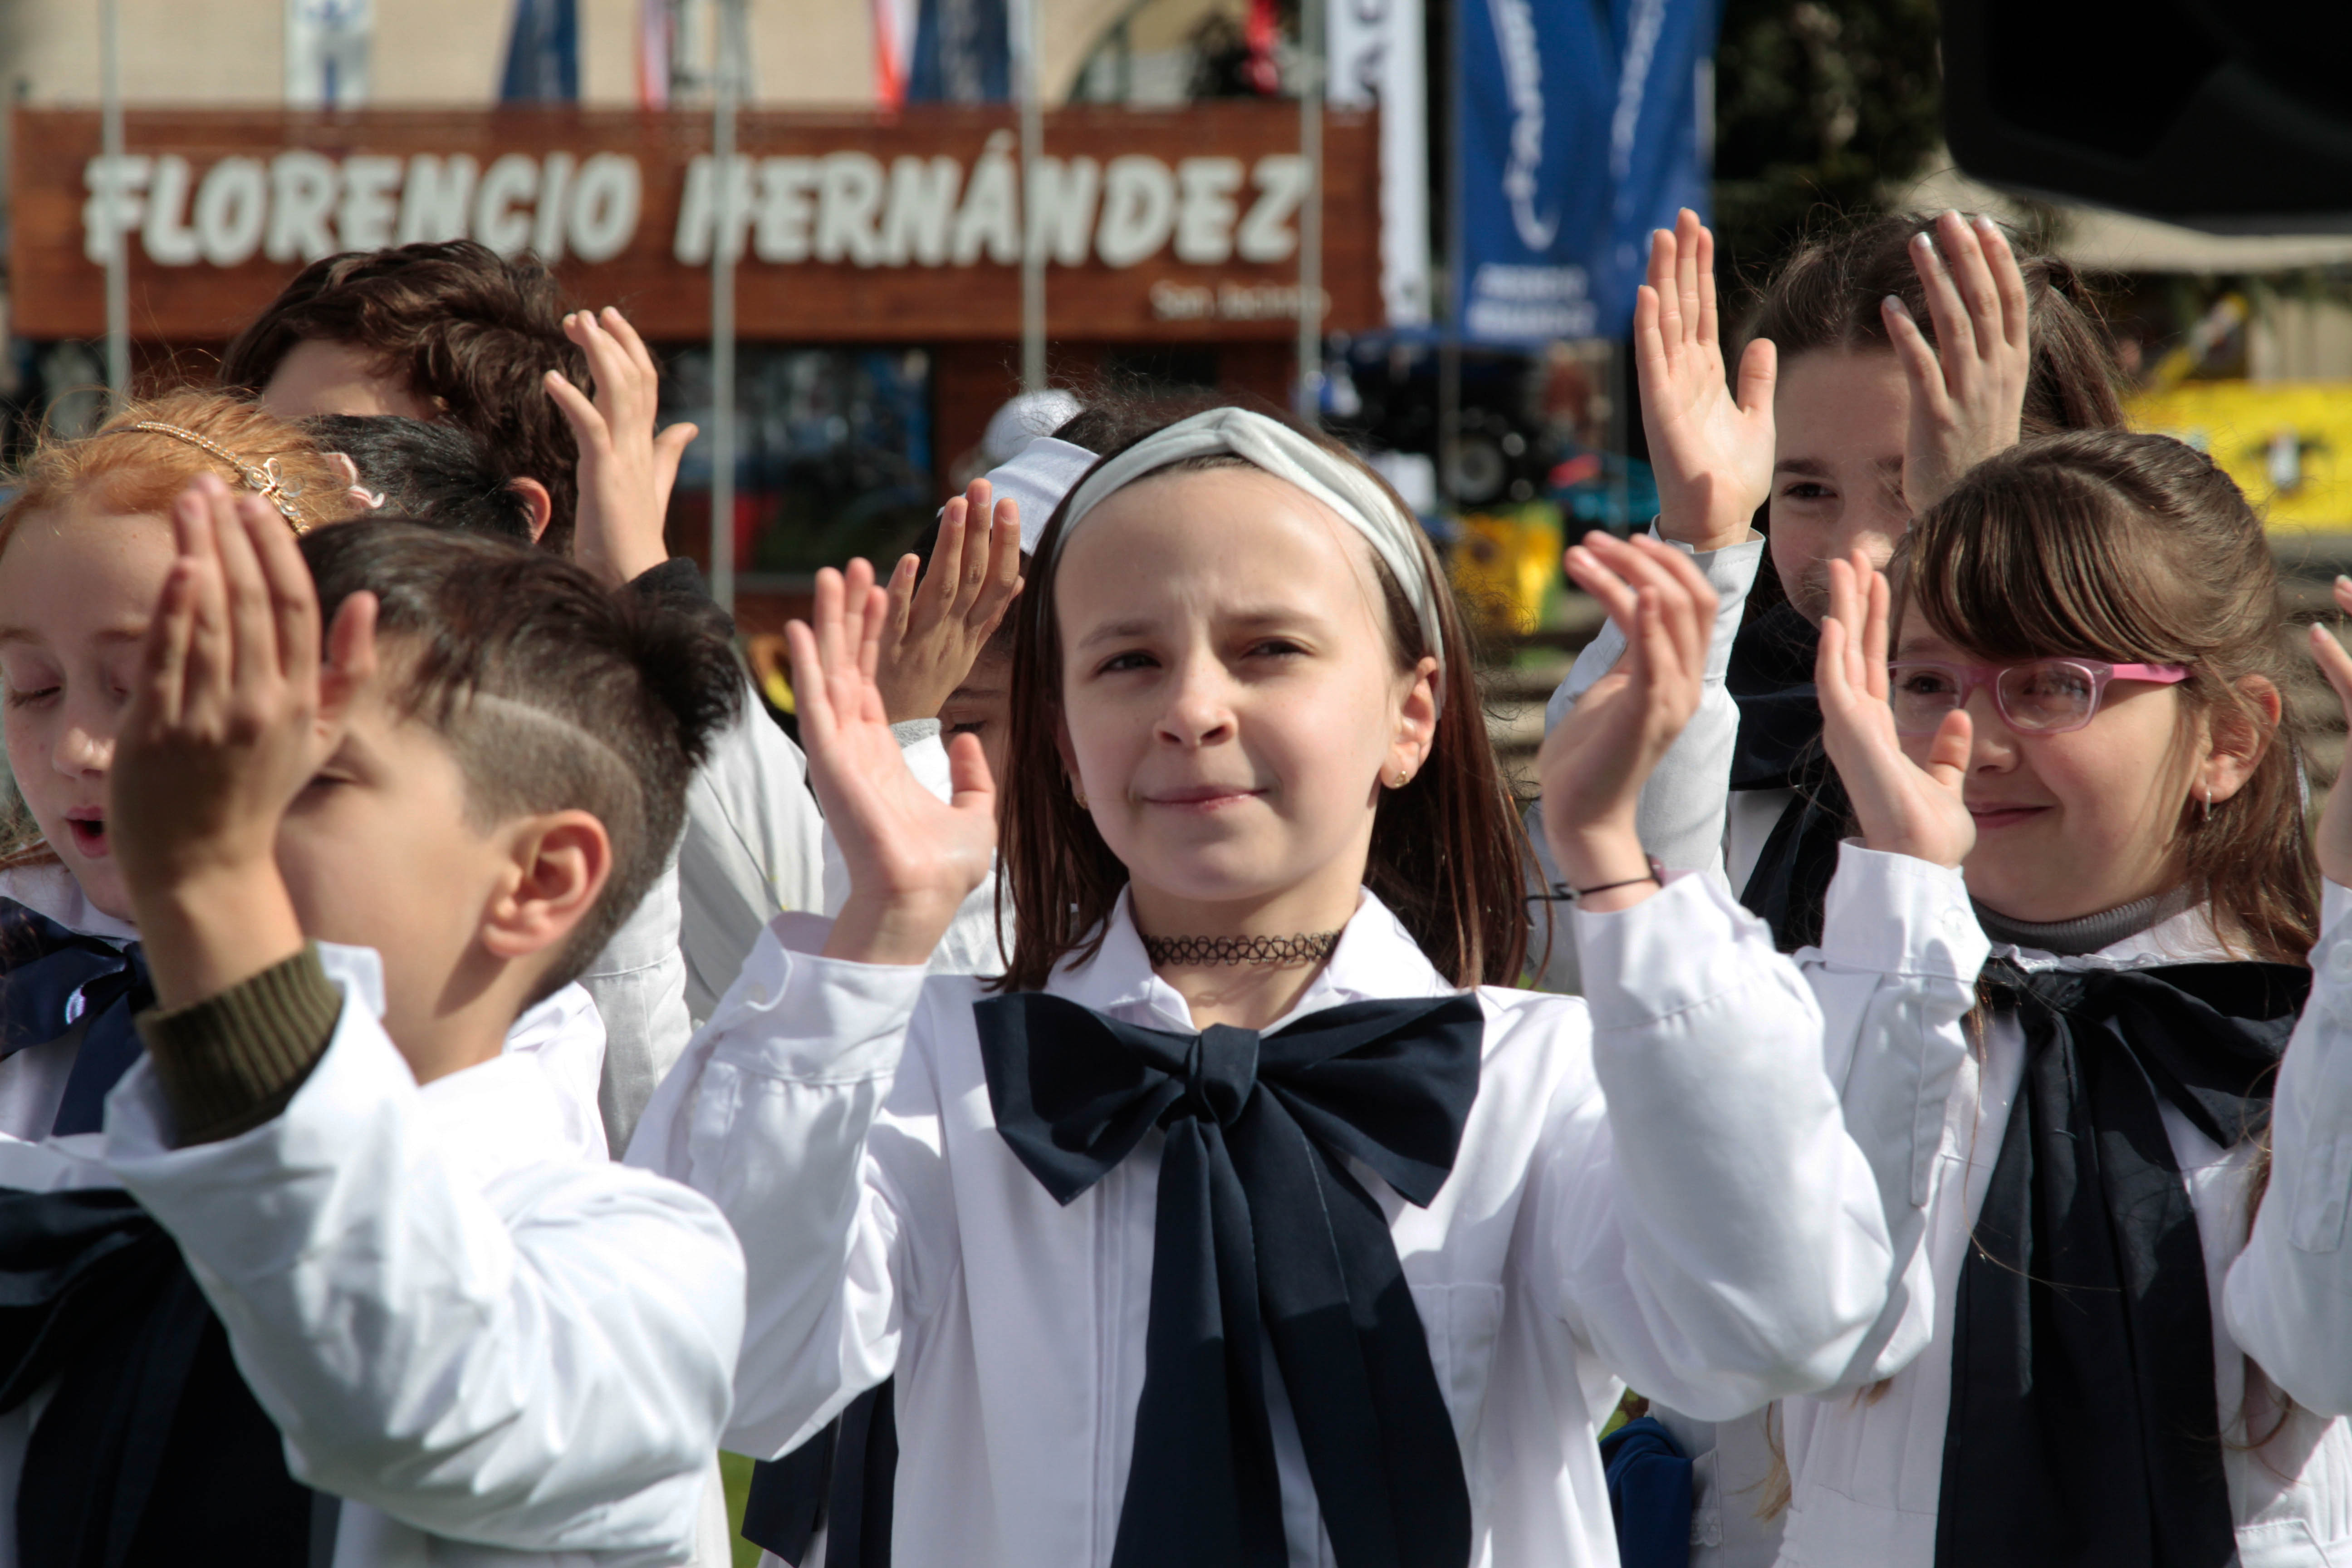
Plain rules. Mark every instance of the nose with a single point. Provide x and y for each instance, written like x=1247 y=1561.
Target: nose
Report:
x=83 y=748
x=1199 y=710
x=1872 y=529
x=1992 y=744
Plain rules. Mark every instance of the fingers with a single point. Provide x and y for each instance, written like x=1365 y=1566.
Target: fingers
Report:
x=2334 y=663
x=1760 y=372
x=1664 y=262
x=631 y=344
x=209 y=664
x=621 y=380
x=2008 y=282
x=1955 y=338
x=1650 y=345
x=164 y=663
x=587 y=422
x=1875 y=627
x=1588 y=572
x=293 y=598
x=978 y=538
x=1686 y=233
x=1964 y=258
x=351 y=667
x=669 y=451
x=970 y=788
x=936 y=596
x=1947 y=753
x=1917 y=356
x=1709 y=325
x=902 y=592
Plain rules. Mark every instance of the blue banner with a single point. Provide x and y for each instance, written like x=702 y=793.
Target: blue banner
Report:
x=542 y=53
x=1580 y=129
x=962 y=53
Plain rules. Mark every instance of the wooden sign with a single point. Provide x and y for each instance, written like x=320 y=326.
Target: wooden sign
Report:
x=1176 y=225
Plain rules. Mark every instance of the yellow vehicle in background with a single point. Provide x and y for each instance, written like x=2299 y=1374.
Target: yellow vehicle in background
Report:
x=2287 y=443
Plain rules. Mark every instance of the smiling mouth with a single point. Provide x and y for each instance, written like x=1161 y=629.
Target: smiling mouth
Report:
x=1202 y=797
x=2004 y=815
x=89 y=836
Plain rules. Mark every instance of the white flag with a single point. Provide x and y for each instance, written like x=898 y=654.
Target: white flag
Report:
x=1376 y=57
x=327 y=47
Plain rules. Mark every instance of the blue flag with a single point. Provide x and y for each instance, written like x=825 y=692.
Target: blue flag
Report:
x=963 y=53
x=543 y=53
x=1579 y=131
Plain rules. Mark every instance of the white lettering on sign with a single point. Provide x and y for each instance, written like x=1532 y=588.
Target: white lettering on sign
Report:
x=1228 y=301
x=843 y=207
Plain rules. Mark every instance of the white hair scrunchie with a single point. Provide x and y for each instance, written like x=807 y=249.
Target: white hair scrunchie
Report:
x=1275 y=447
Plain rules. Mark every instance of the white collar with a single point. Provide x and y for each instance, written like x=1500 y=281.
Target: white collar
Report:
x=2186 y=938
x=1376 y=960
x=46 y=888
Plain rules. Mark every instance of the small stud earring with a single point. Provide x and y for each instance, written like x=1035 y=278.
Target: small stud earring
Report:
x=1079 y=791
x=2208 y=804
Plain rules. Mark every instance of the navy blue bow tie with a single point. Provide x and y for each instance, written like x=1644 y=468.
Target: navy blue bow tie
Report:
x=55 y=984
x=1260 y=1228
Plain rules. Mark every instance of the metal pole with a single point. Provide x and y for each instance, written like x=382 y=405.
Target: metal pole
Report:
x=723 y=38
x=1308 y=395
x=1032 y=147
x=1449 y=348
x=118 y=263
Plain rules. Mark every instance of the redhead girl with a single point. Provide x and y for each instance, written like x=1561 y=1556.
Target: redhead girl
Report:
x=84 y=549
x=1251 y=1218
x=2081 y=659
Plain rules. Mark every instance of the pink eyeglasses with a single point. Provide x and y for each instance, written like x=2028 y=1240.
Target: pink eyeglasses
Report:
x=2042 y=697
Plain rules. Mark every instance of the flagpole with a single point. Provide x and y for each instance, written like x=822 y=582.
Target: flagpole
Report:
x=723 y=36
x=1307 y=396
x=118 y=266
x=1025 y=19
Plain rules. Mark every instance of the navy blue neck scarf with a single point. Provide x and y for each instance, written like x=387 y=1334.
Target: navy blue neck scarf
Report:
x=1261 y=1228
x=57 y=983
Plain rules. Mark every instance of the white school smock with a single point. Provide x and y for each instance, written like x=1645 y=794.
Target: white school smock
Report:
x=1866 y=1470
x=1709 y=1230
x=497 y=1349
x=2290 y=1293
x=749 y=853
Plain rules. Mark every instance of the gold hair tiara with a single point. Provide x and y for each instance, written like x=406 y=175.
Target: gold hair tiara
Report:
x=264 y=480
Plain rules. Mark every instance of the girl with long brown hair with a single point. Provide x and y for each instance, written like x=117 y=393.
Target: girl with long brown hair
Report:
x=2081 y=656
x=1255 y=1088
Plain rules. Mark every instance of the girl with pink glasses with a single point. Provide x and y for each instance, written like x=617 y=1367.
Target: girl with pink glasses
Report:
x=2078 y=663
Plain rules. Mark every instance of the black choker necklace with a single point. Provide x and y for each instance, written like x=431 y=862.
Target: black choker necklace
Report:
x=1309 y=947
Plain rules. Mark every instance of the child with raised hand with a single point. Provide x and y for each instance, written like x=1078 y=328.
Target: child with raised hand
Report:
x=2289 y=1298
x=85 y=546
x=1845 y=425
x=751 y=847
x=2083 y=638
x=1253 y=1083
x=478 y=1338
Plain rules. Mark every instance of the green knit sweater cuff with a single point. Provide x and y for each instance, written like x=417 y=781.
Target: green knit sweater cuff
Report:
x=231 y=1062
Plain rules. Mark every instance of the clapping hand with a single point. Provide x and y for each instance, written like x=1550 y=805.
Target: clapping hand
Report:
x=625 y=470
x=2333 y=840
x=1712 y=454
x=230 y=716
x=1967 y=391
x=1905 y=807
x=912 y=858
x=937 y=626
x=1595 y=761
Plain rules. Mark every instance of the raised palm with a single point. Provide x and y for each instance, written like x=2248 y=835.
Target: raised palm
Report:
x=1712 y=452
x=1905 y=807
x=912 y=858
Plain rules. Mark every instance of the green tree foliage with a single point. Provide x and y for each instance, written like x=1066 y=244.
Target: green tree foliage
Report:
x=1819 y=105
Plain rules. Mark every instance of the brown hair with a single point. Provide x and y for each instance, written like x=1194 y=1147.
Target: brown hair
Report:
x=1827 y=293
x=1446 y=849
x=552 y=692
x=2137 y=549
x=466 y=330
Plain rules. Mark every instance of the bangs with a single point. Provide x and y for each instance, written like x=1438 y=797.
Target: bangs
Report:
x=2037 y=566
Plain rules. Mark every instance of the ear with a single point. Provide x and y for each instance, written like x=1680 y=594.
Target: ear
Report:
x=1416 y=729
x=560 y=862
x=535 y=500
x=1069 y=757
x=2236 y=740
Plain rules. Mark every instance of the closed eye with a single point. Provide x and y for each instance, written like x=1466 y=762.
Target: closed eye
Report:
x=1135 y=659
x=1275 y=647
x=18 y=697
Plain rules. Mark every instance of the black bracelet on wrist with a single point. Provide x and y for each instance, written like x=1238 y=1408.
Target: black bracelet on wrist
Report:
x=1561 y=893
